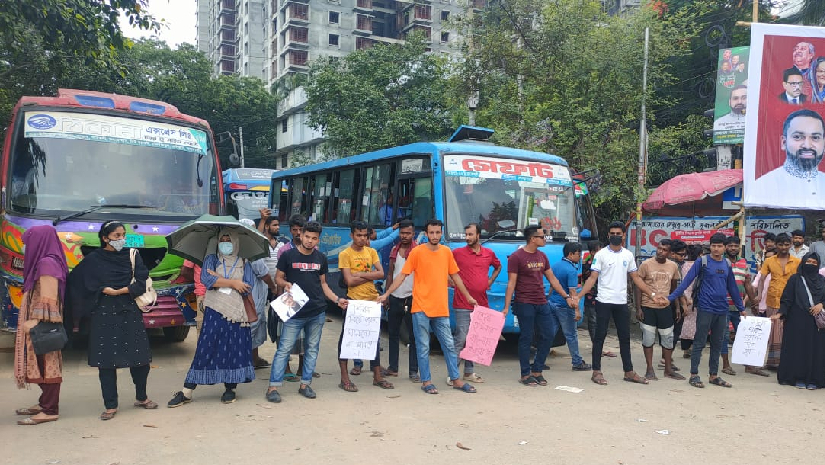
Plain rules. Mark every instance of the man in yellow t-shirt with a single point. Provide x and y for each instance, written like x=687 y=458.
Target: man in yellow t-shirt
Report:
x=360 y=267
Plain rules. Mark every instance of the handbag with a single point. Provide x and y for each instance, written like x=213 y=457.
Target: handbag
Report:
x=149 y=298
x=249 y=306
x=819 y=318
x=48 y=337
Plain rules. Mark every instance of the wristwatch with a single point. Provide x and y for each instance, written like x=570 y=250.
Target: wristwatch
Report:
x=652 y=294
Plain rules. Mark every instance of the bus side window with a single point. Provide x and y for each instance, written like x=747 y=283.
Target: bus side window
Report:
x=376 y=205
x=283 y=202
x=299 y=197
x=320 y=197
x=343 y=193
x=422 y=202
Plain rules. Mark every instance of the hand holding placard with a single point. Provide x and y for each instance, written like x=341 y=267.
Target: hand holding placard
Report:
x=485 y=329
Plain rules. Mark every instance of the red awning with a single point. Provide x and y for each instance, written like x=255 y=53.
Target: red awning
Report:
x=692 y=187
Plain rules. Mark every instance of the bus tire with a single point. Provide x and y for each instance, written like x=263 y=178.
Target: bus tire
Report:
x=176 y=333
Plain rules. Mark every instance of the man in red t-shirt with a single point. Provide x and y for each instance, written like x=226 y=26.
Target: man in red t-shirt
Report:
x=474 y=263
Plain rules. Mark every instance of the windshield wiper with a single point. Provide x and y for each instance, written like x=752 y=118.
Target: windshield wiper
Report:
x=90 y=210
x=499 y=233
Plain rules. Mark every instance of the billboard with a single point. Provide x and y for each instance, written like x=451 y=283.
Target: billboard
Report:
x=785 y=137
x=731 y=96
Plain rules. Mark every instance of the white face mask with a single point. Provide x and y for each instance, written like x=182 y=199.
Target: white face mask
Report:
x=226 y=248
x=118 y=245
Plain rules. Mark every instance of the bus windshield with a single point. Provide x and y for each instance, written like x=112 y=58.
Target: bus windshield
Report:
x=504 y=196
x=58 y=172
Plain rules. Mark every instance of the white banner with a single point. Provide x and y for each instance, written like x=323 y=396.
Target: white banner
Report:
x=362 y=327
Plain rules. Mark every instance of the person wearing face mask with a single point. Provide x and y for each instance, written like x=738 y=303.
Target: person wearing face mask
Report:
x=803 y=345
x=117 y=338
x=224 y=351
x=798 y=247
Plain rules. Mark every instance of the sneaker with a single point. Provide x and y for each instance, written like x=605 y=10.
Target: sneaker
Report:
x=473 y=378
x=273 y=396
x=800 y=385
x=582 y=367
x=307 y=392
x=178 y=400
x=228 y=397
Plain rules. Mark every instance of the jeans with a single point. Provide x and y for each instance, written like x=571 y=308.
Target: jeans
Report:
x=715 y=323
x=108 y=384
x=533 y=319
x=621 y=318
x=312 y=327
x=440 y=326
x=564 y=318
x=398 y=314
x=733 y=317
x=462 y=328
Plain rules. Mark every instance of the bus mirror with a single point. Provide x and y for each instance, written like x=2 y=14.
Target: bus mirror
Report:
x=234 y=159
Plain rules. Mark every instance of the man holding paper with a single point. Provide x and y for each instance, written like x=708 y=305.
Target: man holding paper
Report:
x=433 y=264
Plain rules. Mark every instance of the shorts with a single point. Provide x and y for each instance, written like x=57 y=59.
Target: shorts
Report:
x=659 y=318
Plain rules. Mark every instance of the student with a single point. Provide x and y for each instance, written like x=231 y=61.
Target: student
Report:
x=400 y=302
x=562 y=316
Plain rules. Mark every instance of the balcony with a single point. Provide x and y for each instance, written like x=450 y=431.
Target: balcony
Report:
x=287 y=3
x=363 y=25
x=297 y=38
x=363 y=6
x=298 y=14
x=227 y=7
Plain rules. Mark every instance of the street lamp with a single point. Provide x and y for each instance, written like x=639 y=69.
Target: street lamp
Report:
x=233 y=157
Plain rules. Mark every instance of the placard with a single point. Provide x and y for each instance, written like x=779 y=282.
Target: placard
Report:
x=751 y=344
x=362 y=327
x=485 y=330
x=290 y=303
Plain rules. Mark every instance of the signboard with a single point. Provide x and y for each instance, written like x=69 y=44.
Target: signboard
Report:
x=473 y=166
x=362 y=328
x=732 y=197
x=785 y=137
x=731 y=96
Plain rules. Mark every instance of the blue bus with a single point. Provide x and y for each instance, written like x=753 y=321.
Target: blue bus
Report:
x=246 y=191
x=464 y=180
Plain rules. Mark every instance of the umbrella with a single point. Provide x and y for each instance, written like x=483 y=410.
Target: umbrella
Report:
x=692 y=187
x=192 y=239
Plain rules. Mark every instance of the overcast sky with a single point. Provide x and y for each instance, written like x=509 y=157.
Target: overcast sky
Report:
x=179 y=18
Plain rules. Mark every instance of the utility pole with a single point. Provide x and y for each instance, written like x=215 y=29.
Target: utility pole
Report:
x=240 y=135
x=642 y=148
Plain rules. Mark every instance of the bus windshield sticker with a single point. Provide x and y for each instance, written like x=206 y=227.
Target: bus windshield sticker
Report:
x=114 y=129
x=412 y=166
x=473 y=166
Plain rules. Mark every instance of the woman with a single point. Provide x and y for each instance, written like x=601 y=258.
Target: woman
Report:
x=817 y=80
x=803 y=344
x=224 y=352
x=117 y=337
x=44 y=285
x=688 y=312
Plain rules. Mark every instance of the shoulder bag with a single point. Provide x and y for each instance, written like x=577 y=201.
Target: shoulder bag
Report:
x=819 y=318
x=48 y=337
x=150 y=297
x=249 y=305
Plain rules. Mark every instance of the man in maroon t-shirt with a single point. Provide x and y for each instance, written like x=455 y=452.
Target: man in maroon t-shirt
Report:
x=474 y=263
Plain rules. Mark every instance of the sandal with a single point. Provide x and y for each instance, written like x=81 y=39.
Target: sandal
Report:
x=674 y=375
x=720 y=382
x=529 y=381
x=107 y=415
x=696 y=382
x=147 y=404
x=466 y=387
x=608 y=353
x=28 y=411
x=389 y=373
x=651 y=376
x=635 y=379
x=34 y=421
x=540 y=380
x=598 y=378
x=356 y=371
x=415 y=378
x=383 y=384
x=756 y=371
x=429 y=389
x=349 y=387
x=728 y=371
x=291 y=377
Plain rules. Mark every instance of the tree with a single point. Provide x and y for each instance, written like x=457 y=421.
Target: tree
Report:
x=381 y=97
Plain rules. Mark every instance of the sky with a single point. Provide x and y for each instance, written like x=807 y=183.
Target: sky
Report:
x=179 y=18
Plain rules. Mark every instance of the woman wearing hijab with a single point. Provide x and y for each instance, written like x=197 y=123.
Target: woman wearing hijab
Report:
x=117 y=337
x=224 y=352
x=44 y=285
x=803 y=344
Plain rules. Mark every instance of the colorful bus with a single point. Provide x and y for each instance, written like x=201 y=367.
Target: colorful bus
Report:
x=81 y=158
x=462 y=181
x=246 y=191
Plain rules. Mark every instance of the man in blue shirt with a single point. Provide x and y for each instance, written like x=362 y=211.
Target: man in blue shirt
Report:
x=562 y=316
x=716 y=283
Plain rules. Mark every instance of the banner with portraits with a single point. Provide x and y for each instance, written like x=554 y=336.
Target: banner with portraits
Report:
x=731 y=96
x=785 y=130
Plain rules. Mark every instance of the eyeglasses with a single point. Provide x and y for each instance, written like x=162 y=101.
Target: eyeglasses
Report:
x=539 y=236
x=794 y=83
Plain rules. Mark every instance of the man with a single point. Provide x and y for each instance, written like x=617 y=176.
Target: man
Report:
x=611 y=267
x=780 y=267
x=593 y=248
x=743 y=278
x=263 y=287
x=474 y=263
x=296 y=228
x=527 y=268
x=401 y=302
x=307 y=267
x=271 y=228
x=660 y=275
x=799 y=248
x=385 y=215
x=803 y=54
x=803 y=141
x=734 y=120
x=792 y=81
x=433 y=264
x=716 y=282
x=360 y=266
x=819 y=248
x=770 y=247
x=562 y=316
x=678 y=253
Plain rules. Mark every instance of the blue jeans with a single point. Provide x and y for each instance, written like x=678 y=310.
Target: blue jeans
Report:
x=441 y=328
x=291 y=331
x=735 y=318
x=564 y=317
x=533 y=319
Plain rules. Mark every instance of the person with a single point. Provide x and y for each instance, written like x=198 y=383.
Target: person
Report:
x=611 y=267
x=474 y=264
x=792 y=81
x=678 y=252
x=305 y=266
x=432 y=264
x=360 y=267
x=816 y=79
x=735 y=120
x=263 y=287
x=117 y=336
x=527 y=268
x=803 y=344
x=818 y=248
x=385 y=212
x=687 y=310
x=803 y=54
x=716 y=282
x=593 y=248
x=762 y=300
x=769 y=247
x=400 y=302
x=224 y=350
x=780 y=267
x=562 y=316
x=44 y=287
x=296 y=228
x=270 y=226
x=659 y=273
x=798 y=249
x=743 y=278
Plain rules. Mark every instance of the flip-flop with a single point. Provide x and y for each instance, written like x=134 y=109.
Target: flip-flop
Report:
x=429 y=389
x=383 y=384
x=349 y=387
x=757 y=372
x=635 y=379
x=651 y=376
x=148 y=405
x=675 y=376
x=598 y=378
x=34 y=421
x=356 y=371
x=720 y=382
x=608 y=353
x=466 y=387
x=696 y=382
x=728 y=371
x=28 y=411
x=541 y=380
x=530 y=381
x=107 y=415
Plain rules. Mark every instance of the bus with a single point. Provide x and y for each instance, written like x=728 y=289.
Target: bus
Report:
x=246 y=191
x=465 y=180
x=81 y=158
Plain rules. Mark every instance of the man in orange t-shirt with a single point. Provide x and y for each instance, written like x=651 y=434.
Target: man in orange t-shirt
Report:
x=432 y=263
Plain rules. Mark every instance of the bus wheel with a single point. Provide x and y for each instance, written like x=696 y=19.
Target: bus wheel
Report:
x=176 y=333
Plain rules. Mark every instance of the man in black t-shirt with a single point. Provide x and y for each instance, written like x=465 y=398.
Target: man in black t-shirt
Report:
x=306 y=267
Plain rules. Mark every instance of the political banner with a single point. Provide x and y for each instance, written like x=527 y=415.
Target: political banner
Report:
x=785 y=130
x=731 y=96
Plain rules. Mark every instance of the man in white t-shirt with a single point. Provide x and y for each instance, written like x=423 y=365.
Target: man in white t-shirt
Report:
x=611 y=267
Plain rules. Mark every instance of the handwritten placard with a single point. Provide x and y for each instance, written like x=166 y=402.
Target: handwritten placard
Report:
x=485 y=329
x=751 y=344
x=362 y=327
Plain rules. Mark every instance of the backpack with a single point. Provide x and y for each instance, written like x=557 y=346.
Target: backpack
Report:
x=697 y=283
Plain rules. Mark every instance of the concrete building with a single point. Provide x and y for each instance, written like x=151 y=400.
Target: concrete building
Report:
x=614 y=7
x=232 y=34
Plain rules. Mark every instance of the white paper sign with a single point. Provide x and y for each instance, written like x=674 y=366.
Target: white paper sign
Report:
x=289 y=303
x=751 y=344
x=362 y=327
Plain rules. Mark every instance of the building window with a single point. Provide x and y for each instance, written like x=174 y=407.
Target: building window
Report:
x=362 y=43
x=333 y=40
x=334 y=17
x=364 y=3
x=284 y=161
x=445 y=37
x=423 y=12
x=298 y=57
x=299 y=34
x=364 y=23
x=445 y=15
x=299 y=11
x=284 y=124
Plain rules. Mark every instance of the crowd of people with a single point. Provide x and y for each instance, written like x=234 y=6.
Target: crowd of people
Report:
x=684 y=295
